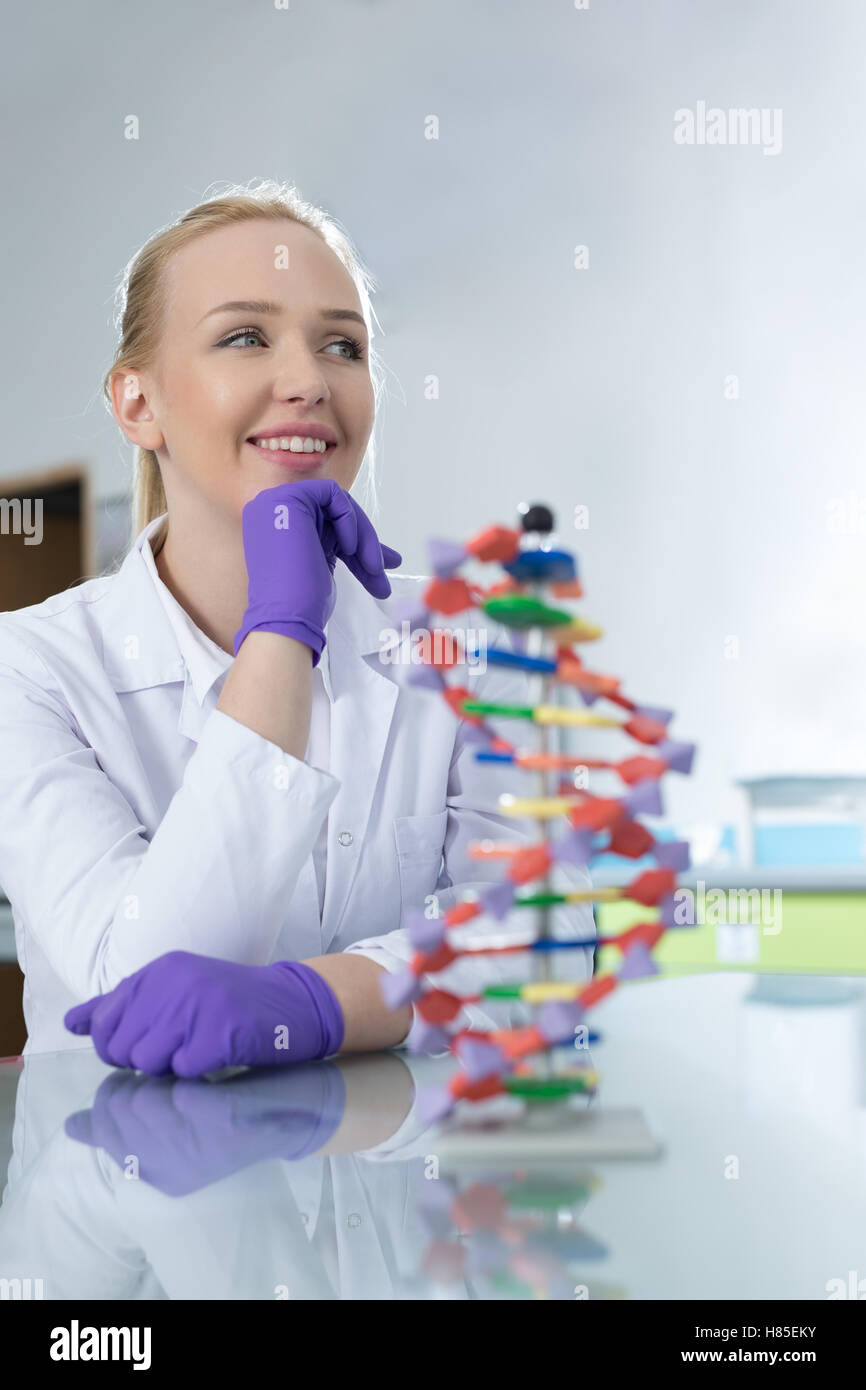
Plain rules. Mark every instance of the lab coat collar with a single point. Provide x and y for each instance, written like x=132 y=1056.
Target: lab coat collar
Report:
x=205 y=661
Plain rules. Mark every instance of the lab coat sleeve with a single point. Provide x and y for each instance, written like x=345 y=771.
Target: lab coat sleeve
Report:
x=77 y=866
x=473 y=791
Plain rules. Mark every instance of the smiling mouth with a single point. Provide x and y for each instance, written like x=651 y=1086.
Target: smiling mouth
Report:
x=293 y=457
x=290 y=444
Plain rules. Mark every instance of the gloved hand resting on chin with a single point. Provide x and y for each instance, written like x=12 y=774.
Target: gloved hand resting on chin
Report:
x=191 y=1014
x=293 y=536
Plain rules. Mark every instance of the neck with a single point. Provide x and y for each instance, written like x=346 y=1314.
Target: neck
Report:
x=201 y=563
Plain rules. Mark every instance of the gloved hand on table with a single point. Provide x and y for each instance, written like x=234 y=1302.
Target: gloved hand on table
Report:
x=293 y=536
x=192 y=1014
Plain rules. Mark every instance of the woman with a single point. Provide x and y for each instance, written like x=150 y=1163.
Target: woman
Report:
x=212 y=821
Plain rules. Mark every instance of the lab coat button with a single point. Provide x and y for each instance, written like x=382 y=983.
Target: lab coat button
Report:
x=353 y=1219
x=345 y=837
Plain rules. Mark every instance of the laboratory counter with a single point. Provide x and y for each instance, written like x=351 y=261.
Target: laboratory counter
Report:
x=722 y=1156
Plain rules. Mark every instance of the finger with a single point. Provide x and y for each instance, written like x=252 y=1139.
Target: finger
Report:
x=107 y=1017
x=359 y=539
x=376 y=584
x=330 y=544
x=139 y=1035
x=109 y=1118
x=338 y=511
x=153 y=1051
x=392 y=558
x=77 y=1019
x=368 y=549
x=195 y=1057
x=89 y=1127
x=79 y=1126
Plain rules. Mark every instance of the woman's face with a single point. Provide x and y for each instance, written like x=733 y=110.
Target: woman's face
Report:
x=222 y=377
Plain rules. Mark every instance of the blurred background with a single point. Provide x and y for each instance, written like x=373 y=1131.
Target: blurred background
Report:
x=661 y=337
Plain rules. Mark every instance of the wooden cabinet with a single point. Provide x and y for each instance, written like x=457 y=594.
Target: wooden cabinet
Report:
x=13 y=1034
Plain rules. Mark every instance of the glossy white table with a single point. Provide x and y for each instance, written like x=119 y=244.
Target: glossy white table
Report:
x=755 y=1087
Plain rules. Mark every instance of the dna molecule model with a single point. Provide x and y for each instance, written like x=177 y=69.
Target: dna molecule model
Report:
x=521 y=1061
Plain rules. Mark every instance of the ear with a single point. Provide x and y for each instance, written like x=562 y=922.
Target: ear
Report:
x=132 y=410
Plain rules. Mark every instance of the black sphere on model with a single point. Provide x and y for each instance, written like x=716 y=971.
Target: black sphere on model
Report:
x=535 y=516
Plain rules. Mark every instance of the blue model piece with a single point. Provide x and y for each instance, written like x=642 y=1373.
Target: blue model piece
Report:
x=500 y=657
x=551 y=566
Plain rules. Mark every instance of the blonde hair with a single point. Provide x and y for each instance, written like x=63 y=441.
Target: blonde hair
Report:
x=140 y=304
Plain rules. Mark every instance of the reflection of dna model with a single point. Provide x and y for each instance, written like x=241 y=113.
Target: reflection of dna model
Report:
x=515 y=1234
x=495 y=1062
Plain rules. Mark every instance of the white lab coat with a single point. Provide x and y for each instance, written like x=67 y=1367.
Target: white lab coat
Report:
x=136 y=818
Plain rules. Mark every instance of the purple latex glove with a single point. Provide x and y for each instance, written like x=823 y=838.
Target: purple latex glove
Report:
x=293 y=536
x=192 y=1014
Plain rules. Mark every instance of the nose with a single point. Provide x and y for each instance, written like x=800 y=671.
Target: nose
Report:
x=299 y=377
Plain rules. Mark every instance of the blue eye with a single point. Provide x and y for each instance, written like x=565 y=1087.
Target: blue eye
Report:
x=240 y=333
x=356 y=349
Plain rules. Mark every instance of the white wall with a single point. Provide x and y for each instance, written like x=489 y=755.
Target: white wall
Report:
x=604 y=386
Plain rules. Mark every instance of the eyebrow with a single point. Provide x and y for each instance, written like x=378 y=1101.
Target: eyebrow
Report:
x=265 y=306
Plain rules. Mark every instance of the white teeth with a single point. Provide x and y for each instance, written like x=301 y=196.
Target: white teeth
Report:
x=296 y=444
